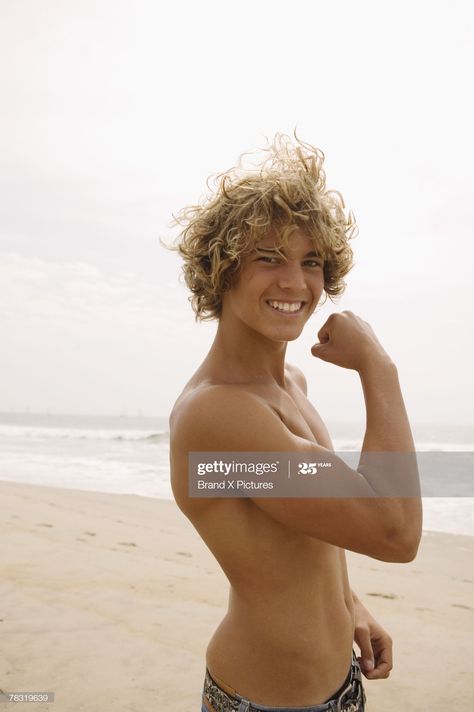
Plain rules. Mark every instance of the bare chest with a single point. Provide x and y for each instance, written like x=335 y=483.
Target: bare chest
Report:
x=299 y=415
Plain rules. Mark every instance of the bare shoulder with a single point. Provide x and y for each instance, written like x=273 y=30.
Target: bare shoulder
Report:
x=298 y=376
x=217 y=417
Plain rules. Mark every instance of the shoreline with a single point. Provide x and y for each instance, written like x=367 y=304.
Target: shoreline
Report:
x=111 y=599
x=448 y=517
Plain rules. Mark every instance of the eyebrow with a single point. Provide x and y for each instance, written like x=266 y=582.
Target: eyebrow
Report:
x=272 y=249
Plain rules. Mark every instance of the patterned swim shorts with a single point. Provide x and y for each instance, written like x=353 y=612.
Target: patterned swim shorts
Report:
x=349 y=698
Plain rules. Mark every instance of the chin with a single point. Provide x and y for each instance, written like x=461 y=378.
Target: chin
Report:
x=285 y=334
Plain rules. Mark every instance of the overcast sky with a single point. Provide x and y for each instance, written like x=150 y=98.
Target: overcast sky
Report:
x=113 y=115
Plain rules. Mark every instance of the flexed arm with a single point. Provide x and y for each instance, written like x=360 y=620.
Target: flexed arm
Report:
x=348 y=341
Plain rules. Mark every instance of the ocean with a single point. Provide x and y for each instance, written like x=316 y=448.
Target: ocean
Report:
x=130 y=455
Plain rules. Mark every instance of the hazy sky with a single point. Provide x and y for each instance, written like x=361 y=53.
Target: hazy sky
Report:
x=113 y=115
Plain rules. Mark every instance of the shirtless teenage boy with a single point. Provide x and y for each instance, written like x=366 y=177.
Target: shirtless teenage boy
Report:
x=258 y=257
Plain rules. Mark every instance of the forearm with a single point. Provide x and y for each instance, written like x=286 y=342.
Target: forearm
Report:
x=388 y=459
x=387 y=426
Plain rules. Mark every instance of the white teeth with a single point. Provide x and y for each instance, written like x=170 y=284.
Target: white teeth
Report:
x=286 y=306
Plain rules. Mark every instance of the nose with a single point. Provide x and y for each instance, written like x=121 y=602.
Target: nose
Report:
x=291 y=276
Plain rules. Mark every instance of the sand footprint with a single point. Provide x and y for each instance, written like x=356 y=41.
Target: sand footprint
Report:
x=391 y=596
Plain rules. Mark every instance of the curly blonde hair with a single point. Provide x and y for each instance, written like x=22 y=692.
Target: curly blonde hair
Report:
x=285 y=192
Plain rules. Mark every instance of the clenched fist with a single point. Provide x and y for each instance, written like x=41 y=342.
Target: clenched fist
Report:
x=348 y=341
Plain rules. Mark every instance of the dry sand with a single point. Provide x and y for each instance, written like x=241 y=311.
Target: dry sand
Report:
x=109 y=601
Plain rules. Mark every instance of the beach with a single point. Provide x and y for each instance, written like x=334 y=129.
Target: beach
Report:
x=109 y=601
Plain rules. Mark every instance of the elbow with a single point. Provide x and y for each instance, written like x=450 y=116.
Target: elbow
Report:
x=403 y=535
x=394 y=550
x=406 y=554
x=411 y=548
x=402 y=547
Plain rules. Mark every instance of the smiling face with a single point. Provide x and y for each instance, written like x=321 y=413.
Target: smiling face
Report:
x=276 y=295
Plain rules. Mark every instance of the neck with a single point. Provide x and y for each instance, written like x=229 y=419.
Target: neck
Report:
x=240 y=354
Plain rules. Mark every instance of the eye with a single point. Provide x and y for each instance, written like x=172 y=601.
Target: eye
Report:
x=268 y=259
x=312 y=263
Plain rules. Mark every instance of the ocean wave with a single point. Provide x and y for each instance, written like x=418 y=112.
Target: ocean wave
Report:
x=355 y=445
x=36 y=434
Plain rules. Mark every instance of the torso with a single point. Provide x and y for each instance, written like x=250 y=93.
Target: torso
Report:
x=287 y=636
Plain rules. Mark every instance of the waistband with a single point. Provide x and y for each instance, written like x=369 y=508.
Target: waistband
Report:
x=351 y=699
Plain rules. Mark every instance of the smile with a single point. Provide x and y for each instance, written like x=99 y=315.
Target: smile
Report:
x=286 y=307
